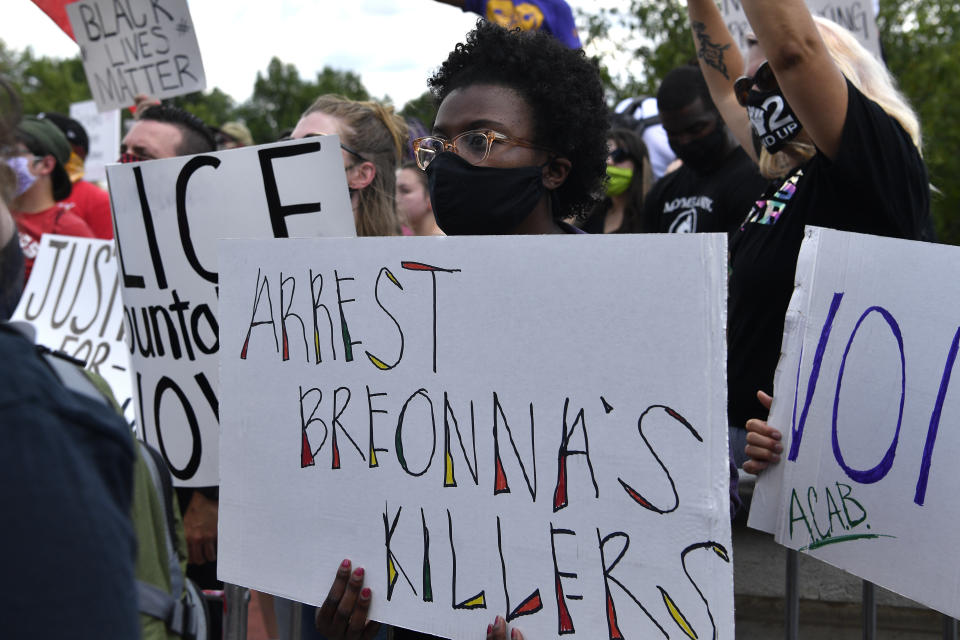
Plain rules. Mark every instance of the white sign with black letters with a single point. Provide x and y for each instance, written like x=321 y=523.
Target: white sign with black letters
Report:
x=132 y=47
x=169 y=214
x=72 y=299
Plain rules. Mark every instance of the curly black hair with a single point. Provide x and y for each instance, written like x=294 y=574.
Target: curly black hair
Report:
x=197 y=136
x=562 y=87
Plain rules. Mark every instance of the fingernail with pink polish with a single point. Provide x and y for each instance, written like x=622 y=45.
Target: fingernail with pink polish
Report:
x=358 y=572
x=345 y=564
x=365 y=593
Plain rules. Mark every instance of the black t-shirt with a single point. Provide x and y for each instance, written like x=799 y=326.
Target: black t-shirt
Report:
x=877 y=184
x=686 y=201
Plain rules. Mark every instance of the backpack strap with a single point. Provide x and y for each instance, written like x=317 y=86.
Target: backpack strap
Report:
x=156 y=602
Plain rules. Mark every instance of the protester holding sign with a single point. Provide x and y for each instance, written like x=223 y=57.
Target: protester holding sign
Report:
x=821 y=115
x=165 y=131
x=518 y=145
x=371 y=139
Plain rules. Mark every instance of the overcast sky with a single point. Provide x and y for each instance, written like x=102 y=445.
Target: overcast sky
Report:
x=393 y=44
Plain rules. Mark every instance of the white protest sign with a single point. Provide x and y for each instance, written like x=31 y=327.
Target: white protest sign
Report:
x=103 y=132
x=530 y=426
x=73 y=301
x=131 y=47
x=857 y=16
x=863 y=398
x=168 y=214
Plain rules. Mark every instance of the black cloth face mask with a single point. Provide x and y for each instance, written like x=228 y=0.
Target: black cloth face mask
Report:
x=469 y=200
x=706 y=153
x=772 y=119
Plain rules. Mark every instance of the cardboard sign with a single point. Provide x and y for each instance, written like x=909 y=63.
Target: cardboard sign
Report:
x=73 y=301
x=168 y=215
x=103 y=131
x=526 y=426
x=857 y=16
x=132 y=47
x=863 y=398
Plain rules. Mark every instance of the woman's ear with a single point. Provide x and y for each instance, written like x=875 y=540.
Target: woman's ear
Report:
x=361 y=175
x=556 y=172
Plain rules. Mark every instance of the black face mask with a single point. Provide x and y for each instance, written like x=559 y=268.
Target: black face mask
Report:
x=470 y=201
x=704 y=154
x=772 y=119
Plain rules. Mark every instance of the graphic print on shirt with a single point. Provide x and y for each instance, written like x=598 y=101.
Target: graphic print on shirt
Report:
x=686 y=222
x=691 y=207
x=768 y=211
x=524 y=15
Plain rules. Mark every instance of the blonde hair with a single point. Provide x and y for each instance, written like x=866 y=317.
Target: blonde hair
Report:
x=869 y=76
x=378 y=134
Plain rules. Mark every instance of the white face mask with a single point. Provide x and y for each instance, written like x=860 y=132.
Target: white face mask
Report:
x=21 y=167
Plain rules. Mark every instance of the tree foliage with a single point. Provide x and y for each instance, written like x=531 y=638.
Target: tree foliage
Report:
x=921 y=43
x=44 y=84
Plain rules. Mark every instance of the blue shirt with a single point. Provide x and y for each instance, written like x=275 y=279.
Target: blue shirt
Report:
x=553 y=16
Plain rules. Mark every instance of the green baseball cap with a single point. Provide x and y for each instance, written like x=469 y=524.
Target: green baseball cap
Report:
x=43 y=136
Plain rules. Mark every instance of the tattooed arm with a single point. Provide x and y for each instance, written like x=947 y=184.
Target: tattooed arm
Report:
x=721 y=63
x=811 y=82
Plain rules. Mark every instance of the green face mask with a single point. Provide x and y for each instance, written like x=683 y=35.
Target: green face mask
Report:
x=618 y=180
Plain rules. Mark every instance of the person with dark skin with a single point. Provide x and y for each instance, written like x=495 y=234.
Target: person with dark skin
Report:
x=717 y=181
x=518 y=145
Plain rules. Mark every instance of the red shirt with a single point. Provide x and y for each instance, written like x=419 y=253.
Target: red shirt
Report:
x=56 y=219
x=92 y=205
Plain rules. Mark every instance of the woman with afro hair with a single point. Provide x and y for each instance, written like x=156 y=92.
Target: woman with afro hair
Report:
x=519 y=141
x=519 y=144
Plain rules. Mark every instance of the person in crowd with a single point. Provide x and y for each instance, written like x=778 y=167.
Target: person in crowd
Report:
x=65 y=471
x=164 y=131
x=372 y=141
x=87 y=200
x=551 y=16
x=823 y=118
x=518 y=145
x=640 y=115
x=717 y=182
x=39 y=159
x=413 y=201
x=372 y=138
x=232 y=135
x=628 y=180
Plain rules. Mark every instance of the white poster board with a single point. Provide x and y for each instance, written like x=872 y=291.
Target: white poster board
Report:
x=72 y=299
x=136 y=47
x=862 y=396
x=857 y=16
x=168 y=215
x=103 y=132
x=529 y=426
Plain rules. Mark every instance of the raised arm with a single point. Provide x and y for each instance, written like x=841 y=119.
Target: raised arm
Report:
x=811 y=83
x=722 y=63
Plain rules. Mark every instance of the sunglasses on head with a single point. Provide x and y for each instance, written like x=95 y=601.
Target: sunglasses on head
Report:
x=618 y=155
x=763 y=79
